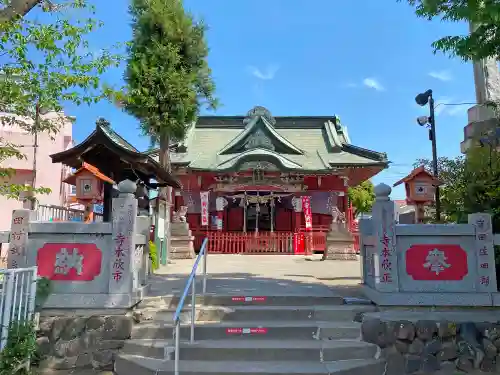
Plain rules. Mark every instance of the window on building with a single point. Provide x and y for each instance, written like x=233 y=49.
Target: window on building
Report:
x=73 y=190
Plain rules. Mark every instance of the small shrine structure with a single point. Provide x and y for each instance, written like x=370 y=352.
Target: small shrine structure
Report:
x=117 y=160
x=420 y=188
x=258 y=183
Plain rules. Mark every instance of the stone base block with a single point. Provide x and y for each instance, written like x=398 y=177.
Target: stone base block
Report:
x=95 y=300
x=431 y=299
x=181 y=247
x=429 y=346
x=68 y=342
x=180 y=229
x=340 y=249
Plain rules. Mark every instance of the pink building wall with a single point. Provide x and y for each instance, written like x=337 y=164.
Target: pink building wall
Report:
x=48 y=175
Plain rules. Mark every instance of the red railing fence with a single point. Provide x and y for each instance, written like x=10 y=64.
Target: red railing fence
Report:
x=261 y=242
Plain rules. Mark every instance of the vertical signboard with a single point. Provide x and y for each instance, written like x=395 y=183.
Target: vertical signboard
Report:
x=204 y=208
x=306 y=207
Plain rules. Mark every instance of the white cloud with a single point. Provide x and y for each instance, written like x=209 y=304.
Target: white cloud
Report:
x=441 y=75
x=266 y=74
x=372 y=83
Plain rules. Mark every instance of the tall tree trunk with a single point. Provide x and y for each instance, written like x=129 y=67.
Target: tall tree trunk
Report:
x=164 y=156
x=17 y=8
x=166 y=192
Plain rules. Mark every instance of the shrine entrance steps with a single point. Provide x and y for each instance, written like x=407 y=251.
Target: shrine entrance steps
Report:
x=259 y=335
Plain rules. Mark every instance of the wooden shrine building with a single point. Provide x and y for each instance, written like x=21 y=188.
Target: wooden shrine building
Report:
x=117 y=159
x=256 y=169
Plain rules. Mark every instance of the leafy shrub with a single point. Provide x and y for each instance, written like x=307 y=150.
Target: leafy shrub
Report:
x=43 y=290
x=19 y=350
x=153 y=255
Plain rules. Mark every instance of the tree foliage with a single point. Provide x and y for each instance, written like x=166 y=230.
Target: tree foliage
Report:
x=12 y=9
x=482 y=42
x=470 y=184
x=43 y=65
x=168 y=78
x=362 y=197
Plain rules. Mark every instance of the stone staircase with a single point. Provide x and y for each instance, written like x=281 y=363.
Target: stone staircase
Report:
x=273 y=335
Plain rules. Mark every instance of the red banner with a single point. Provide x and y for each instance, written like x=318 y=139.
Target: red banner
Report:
x=204 y=207
x=306 y=207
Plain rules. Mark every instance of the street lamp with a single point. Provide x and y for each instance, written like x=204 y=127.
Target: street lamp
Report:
x=423 y=99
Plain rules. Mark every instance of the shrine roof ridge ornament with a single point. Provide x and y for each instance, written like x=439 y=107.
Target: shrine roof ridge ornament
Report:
x=259 y=111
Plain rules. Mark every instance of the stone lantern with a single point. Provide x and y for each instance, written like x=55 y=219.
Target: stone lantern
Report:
x=89 y=182
x=420 y=187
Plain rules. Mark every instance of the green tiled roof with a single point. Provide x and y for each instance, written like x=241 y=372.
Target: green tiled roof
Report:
x=298 y=143
x=114 y=136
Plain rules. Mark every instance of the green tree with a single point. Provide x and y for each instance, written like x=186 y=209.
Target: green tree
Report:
x=470 y=184
x=168 y=78
x=482 y=42
x=42 y=67
x=362 y=197
x=13 y=9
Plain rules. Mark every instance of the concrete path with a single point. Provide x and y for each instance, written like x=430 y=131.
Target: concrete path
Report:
x=264 y=275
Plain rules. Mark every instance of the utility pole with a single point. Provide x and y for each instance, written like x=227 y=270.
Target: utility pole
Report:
x=422 y=100
x=432 y=136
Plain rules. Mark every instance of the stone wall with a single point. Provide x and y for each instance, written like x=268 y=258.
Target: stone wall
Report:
x=82 y=342
x=435 y=346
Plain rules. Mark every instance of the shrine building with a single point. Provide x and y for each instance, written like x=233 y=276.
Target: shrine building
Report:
x=115 y=159
x=257 y=169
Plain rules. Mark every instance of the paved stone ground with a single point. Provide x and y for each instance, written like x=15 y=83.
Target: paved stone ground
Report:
x=264 y=275
x=36 y=371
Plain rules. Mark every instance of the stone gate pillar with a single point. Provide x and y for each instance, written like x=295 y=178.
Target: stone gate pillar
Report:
x=16 y=257
x=123 y=216
x=485 y=251
x=385 y=258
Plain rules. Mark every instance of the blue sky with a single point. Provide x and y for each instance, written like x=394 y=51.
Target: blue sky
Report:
x=363 y=60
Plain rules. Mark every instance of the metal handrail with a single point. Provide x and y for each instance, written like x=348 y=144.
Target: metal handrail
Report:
x=191 y=282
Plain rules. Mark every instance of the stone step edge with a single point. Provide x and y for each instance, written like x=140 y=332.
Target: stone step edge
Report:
x=274 y=344
x=251 y=324
x=266 y=367
x=236 y=308
x=214 y=295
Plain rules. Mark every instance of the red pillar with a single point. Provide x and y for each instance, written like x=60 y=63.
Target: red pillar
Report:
x=298 y=220
x=177 y=200
x=298 y=237
x=346 y=212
